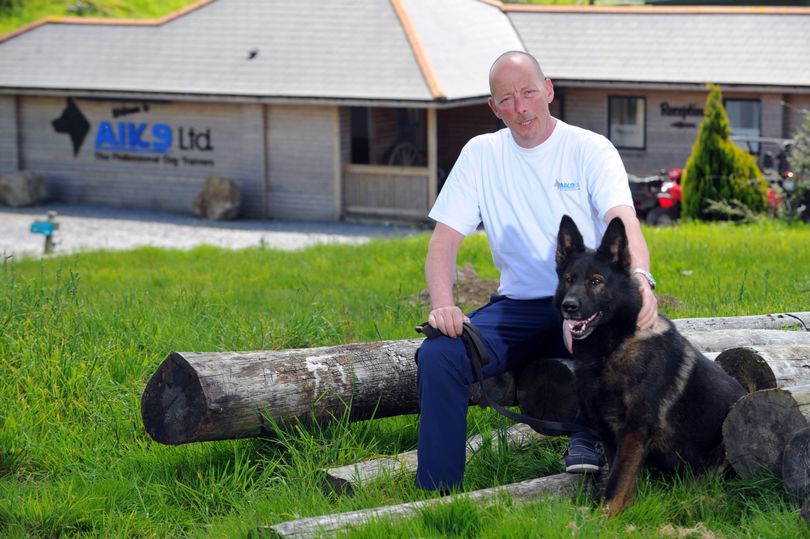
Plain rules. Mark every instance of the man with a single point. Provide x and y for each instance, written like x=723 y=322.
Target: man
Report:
x=518 y=182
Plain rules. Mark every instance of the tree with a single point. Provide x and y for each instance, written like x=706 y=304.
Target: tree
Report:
x=718 y=171
x=800 y=152
x=800 y=163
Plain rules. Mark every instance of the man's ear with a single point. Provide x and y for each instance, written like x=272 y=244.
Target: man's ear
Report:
x=569 y=240
x=549 y=86
x=491 y=103
x=614 y=244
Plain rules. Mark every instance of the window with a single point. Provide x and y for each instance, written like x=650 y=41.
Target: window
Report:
x=744 y=120
x=627 y=122
x=360 y=135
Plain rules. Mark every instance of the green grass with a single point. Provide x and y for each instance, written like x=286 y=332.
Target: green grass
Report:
x=81 y=334
x=17 y=13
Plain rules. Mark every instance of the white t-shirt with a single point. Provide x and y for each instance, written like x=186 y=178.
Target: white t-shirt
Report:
x=520 y=195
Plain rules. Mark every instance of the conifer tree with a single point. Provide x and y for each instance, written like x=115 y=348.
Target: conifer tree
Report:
x=717 y=169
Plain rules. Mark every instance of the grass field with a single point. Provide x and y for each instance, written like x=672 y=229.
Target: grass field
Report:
x=17 y=13
x=81 y=335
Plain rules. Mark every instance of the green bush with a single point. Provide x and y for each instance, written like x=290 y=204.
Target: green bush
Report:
x=10 y=7
x=799 y=198
x=800 y=152
x=718 y=170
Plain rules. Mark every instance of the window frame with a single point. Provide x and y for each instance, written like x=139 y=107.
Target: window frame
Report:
x=756 y=100
x=610 y=107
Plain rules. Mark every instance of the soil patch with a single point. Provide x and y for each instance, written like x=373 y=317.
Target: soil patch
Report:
x=470 y=290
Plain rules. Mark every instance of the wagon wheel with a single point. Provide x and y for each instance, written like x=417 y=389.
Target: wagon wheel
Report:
x=404 y=154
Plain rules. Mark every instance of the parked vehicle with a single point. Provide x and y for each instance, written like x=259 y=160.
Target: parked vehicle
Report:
x=786 y=198
x=644 y=190
x=667 y=207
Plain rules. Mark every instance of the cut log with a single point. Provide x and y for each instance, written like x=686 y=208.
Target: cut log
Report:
x=805 y=512
x=545 y=390
x=800 y=321
x=554 y=485
x=500 y=388
x=796 y=464
x=196 y=397
x=220 y=395
x=767 y=367
x=759 y=425
x=344 y=479
x=720 y=340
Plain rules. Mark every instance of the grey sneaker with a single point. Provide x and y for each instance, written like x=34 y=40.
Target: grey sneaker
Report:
x=584 y=454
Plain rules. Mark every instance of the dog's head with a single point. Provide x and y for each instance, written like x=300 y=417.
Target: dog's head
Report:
x=595 y=287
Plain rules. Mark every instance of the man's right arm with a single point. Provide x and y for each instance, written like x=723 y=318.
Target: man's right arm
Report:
x=440 y=272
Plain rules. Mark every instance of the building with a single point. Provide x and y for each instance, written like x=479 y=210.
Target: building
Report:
x=358 y=108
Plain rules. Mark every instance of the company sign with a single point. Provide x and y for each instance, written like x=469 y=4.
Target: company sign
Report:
x=136 y=141
x=682 y=111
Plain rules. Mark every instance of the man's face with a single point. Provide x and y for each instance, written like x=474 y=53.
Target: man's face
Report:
x=520 y=98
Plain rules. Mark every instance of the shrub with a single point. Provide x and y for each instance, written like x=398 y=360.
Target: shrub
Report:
x=718 y=170
x=800 y=163
x=9 y=8
x=800 y=152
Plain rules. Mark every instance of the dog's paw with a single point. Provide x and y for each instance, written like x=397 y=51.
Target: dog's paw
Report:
x=609 y=510
x=612 y=508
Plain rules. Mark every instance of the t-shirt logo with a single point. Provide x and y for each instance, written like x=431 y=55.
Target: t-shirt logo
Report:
x=567 y=185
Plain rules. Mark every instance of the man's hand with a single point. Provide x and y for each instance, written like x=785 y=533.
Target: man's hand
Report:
x=648 y=314
x=440 y=272
x=448 y=320
x=639 y=258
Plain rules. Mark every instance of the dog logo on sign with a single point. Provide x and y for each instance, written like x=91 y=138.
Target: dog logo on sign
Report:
x=72 y=123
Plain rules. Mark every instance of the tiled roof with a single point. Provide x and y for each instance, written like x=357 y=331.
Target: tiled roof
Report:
x=344 y=49
x=738 y=46
x=399 y=50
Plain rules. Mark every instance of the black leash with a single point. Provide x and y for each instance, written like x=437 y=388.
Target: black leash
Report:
x=472 y=339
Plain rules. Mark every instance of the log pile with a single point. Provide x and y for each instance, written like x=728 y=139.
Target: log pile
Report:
x=198 y=396
x=768 y=430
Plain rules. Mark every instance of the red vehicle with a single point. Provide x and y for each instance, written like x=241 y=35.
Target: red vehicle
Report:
x=668 y=201
x=668 y=208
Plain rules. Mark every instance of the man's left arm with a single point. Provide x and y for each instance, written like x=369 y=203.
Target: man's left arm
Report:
x=639 y=258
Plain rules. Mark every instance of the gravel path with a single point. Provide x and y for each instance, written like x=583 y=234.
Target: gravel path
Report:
x=84 y=228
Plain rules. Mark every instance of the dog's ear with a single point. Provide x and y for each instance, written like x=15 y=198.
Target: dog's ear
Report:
x=614 y=244
x=569 y=240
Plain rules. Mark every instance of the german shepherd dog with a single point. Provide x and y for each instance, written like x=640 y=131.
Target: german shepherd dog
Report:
x=650 y=395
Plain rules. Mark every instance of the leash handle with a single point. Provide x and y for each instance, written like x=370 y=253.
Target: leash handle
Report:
x=479 y=356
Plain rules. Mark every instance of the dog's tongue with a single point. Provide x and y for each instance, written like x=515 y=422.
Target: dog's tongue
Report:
x=568 y=339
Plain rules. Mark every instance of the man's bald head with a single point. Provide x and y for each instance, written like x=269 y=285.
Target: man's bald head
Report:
x=514 y=59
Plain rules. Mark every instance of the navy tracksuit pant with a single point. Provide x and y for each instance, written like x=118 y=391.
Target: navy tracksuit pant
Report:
x=516 y=332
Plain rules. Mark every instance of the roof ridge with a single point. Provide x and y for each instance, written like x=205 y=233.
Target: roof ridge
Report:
x=653 y=10
x=431 y=79
x=106 y=21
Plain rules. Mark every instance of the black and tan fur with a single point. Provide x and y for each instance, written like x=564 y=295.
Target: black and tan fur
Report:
x=652 y=397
